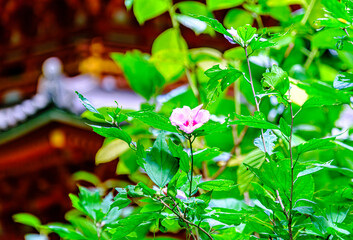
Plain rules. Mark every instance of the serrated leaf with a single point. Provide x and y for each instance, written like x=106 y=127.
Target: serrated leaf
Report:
x=313 y=170
x=269 y=138
x=343 y=81
x=246 y=33
x=337 y=9
x=112 y=132
x=256 y=121
x=222 y=78
x=159 y=164
x=277 y=80
x=130 y=223
x=217 y=185
x=153 y=119
x=255 y=159
x=315 y=144
x=178 y=152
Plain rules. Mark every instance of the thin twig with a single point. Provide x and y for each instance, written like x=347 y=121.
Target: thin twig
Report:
x=181 y=216
x=255 y=98
x=192 y=166
x=281 y=204
x=292 y=172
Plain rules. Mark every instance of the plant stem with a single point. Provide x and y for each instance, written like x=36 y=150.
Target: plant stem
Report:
x=180 y=215
x=192 y=165
x=308 y=12
x=292 y=172
x=255 y=98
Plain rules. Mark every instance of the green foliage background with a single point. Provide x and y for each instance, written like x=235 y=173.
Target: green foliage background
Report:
x=274 y=162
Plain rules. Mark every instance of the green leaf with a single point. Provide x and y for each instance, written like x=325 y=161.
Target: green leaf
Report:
x=147 y=9
x=111 y=151
x=141 y=74
x=27 y=219
x=277 y=80
x=337 y=9
x=215 y=24
x=86 y=176
x=220 y=78
x=217 y=185
x=205 y=154
x=256 y=121
x=168 y=53
x=246 y=33
x=153 y=119
x=112 y=132
x=236 y=18
x=85 y=226
x=313 y=170
x=65 y=231
x=130 y=223
x=284 y=127
x=315 y=144
x=255 y=159
x=178 y=152
x=269 y=138
x=89 y=106
x=159 y=164
x=343 y=80
x=323 y=94
x=222 y=4
x=194 y=24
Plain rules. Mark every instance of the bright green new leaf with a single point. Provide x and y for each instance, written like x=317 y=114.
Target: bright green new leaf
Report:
x=222 y=4
x=141 y=74
x=147 y=9
x=27 y=219
x=236 y=18
x=276 y=80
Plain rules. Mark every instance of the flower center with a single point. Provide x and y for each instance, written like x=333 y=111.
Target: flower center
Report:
x=187 y=123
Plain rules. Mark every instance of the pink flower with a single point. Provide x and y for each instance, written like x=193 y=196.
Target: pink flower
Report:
x=189 y=119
